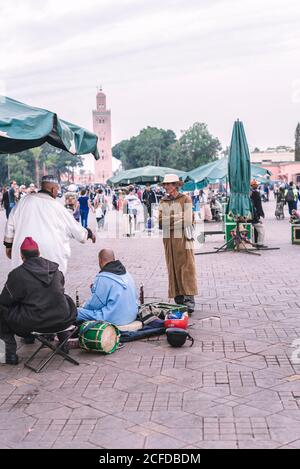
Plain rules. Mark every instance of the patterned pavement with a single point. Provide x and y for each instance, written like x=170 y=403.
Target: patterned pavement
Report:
x=237 y=387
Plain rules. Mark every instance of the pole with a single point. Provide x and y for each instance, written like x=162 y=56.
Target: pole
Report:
x=8 y=168
x=142 y=297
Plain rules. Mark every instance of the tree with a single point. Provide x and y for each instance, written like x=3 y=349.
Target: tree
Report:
x=151 y=147
x=26 y=166
x=297 y=143
x=36 y=152
x=197 y=147
x=160 y=147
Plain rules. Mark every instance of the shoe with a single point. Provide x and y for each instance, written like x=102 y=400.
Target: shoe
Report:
x=179 y=300
x=261 y=246
x=29 y=339
x=11 y=359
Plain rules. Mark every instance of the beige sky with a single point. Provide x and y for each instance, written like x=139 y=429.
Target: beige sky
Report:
x=164 y=63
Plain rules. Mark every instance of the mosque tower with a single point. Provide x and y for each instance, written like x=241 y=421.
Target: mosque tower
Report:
x=102 y=128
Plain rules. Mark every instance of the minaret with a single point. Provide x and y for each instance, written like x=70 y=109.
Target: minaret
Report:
x=102 y=128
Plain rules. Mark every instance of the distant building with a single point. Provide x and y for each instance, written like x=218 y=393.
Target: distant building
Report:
x=273 y=156
x=280 y=161
x=102 y=128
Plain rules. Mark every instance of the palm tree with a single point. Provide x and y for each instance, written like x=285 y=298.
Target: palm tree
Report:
x=36 y=154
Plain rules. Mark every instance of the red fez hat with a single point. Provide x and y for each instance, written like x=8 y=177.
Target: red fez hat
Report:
x=29 y=245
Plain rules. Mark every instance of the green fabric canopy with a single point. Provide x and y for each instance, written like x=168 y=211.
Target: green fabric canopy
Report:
x=216 y=171
x=151 y=174
x=23 y=127
x=239 y=174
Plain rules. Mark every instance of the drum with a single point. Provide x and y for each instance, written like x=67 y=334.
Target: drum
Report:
x=99 y=336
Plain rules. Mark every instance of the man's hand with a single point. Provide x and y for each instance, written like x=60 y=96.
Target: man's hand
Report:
x=91 y=235
x=8 y=252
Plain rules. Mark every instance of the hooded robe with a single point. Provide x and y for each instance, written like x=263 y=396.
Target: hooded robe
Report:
x=175 y=214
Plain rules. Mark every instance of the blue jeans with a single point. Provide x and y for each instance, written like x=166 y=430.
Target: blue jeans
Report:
x=84 y=218
x=11 y=206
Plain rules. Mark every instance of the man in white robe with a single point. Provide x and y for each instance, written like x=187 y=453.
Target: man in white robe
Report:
x=42 y=217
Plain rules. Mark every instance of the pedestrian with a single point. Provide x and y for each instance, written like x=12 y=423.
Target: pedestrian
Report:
x=176 y=221
x=100 y=205
x=258 y=215
x=5 y=201
x=47 y=221
x=84 y=205
x=133 y=203
x=12 y=195
x=158 y=194
x=291 y=197
x=149 y=201
x=32 y=189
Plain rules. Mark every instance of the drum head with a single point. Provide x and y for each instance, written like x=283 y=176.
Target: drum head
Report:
x=109 y=339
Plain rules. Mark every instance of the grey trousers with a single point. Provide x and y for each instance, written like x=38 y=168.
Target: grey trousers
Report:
x=259 y=227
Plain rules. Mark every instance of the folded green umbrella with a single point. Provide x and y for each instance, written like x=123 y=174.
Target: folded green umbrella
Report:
x=239 y=173
x=23 y=127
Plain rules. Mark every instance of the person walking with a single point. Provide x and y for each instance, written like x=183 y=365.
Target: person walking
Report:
x=84 y=207
x=291 y=197
x=258 y=215
x=100 y=205
x=5 y=201
x=176 y=221
x=148 y=200
x=12 y=195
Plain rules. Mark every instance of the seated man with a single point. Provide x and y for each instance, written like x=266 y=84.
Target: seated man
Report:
x=33 y=300
x=113 y=296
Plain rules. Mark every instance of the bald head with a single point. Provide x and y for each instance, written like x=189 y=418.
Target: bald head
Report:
x=106 y=256
x=50 y=187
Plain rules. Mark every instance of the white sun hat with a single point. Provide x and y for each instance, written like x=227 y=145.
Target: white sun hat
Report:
x=169 y=178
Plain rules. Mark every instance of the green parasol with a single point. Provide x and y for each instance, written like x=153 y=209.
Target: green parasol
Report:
x=23 y=127
x=239 y=173
x=151 y=174
x=216 y=171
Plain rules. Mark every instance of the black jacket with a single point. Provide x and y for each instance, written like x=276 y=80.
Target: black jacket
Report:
x=33 y=298
x=148 y=198
x=257 y=206
x=5 y=200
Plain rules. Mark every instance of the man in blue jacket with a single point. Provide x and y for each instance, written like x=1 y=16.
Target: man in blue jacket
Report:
x=113 y=296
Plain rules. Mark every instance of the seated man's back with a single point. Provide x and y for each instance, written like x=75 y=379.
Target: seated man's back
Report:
x=113 y=296
x=33 y=300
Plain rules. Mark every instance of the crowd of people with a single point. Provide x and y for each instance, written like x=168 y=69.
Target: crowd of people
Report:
x=37 y=240
x=10 y=195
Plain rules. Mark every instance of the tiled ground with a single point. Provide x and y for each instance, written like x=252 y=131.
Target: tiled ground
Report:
x=238 y=387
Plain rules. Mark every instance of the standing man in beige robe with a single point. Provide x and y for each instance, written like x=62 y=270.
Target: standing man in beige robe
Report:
x=176 y=221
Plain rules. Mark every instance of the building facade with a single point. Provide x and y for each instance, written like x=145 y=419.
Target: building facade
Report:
x=102 y=128
x=282 y=164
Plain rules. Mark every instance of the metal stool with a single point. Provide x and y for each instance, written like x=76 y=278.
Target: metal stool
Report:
x=57 y=349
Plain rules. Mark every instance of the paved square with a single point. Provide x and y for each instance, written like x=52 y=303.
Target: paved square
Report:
x=237 y=387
